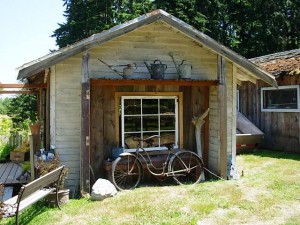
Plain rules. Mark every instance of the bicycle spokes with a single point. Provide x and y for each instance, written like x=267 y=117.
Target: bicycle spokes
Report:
x=186 y=168
x=126 y=172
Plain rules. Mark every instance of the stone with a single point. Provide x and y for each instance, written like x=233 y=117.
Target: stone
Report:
x=103 y=189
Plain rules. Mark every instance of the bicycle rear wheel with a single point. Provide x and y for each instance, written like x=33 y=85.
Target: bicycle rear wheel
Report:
x=186 y=168
x=126 y=172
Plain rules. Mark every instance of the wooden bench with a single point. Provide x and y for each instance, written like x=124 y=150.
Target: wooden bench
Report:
x=33 y=192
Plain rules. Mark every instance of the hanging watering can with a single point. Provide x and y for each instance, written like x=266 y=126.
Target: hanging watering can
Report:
x=184 y=70
x=128 y=70
x=156 y=69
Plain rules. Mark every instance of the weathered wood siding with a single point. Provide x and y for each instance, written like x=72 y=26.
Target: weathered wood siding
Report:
x=65 y=116
x=104 y=124
x=281 y=128
x=214 y=131
x=151 y=42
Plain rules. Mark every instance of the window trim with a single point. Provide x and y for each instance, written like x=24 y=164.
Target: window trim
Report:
x=280 y=87
x=179 y=95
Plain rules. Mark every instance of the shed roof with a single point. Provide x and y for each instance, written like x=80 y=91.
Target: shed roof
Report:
x=281 y=63
x=44 y=62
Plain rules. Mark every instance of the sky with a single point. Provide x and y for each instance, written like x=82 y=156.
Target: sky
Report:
x=25 y=30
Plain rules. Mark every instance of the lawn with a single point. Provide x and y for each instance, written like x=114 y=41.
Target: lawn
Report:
x=267 y=193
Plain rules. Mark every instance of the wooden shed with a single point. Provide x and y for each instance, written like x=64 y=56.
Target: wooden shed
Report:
x=85 y=101
x=275 y=111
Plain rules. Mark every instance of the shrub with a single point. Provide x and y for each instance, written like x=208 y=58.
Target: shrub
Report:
x=5 y=149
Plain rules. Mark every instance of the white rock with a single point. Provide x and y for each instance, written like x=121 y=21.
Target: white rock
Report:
x=103 y=189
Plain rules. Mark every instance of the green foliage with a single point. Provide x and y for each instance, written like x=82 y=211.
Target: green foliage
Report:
x=250 y=27
x=22 y=109
x=4 y=104
x=5 y=126
x=5 y=149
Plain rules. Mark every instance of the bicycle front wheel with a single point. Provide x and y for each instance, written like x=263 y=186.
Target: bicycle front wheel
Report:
x=186 y=168
x=126 y=172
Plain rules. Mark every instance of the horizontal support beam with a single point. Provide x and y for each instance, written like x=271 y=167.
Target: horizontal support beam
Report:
x=23 y=85
x=155 y=82
x=18 y=92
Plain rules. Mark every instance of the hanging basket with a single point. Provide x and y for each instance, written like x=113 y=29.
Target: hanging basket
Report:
x=35 y=128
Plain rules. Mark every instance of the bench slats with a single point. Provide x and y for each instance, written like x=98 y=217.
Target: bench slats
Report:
x=35 y=197
x=31 y=193
x=10 y=206
x=41 y=182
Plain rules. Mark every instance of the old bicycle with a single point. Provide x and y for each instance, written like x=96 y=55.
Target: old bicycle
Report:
x=185 y=167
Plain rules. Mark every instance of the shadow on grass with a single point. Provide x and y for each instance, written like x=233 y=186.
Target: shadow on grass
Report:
x=274 y=154
x=28 y=214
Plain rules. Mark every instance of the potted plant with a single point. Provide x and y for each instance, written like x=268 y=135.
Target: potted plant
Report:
x=19 y=152
x=35 y=125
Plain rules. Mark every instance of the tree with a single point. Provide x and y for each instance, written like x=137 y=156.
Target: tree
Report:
x=22 y=108
x=250 y=27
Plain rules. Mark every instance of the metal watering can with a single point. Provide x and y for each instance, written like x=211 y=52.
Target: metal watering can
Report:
x=184 y=70
x=156 y=69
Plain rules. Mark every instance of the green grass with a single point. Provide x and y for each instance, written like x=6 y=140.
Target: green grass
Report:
x=268 y=193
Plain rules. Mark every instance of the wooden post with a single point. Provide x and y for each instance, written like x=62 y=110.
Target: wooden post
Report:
x=222 y=102
x=85 y=126
x=35 y=144
x=47 y=123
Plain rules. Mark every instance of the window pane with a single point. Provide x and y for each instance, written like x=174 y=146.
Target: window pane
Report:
x=132 y=123
x=280 y=99
x=132 y=106
x=150 y=106
x=153 y=142
x=167 y=122
x=167 y=106
x=129 y=140
x=167 y=137
x=150 y=123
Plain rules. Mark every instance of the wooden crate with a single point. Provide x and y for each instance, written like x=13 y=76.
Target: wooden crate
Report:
x=17 y=156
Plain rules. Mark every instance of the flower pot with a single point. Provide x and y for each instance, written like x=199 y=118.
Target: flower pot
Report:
x=35 y=128
x=63 y=197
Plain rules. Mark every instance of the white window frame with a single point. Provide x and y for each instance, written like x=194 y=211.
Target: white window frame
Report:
x=176 y=99
x=280 y=110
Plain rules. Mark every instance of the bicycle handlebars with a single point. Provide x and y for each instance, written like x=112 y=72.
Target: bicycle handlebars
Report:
x=146 y=139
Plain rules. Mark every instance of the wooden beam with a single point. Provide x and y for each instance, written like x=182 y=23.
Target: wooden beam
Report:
x=155 y=82
x=47 y=124
x=23 y=85
x=222 y=102
x=85 y=125
x=18 y=92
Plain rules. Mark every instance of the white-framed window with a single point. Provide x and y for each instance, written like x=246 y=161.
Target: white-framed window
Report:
x=144 y=116
x=283 y=99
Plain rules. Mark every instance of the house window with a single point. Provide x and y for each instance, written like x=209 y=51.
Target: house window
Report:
x=144 y=116
x=283 y=99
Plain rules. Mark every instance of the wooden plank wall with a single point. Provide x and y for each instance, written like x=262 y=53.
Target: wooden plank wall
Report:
x=151 y=42
x=214 y=132
x=281 y=128
x=65 y=112
x=103 y=123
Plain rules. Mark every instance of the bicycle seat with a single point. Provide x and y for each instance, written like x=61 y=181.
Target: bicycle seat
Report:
x=169 y=145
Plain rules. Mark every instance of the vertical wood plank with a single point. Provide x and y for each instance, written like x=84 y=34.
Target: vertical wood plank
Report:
x=206 y=127
x=96 y=149
x=222 y=102
x=85 y=125
x=47 y=122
